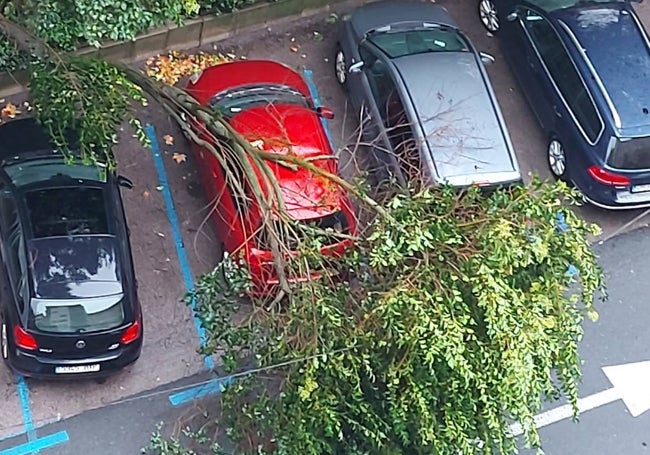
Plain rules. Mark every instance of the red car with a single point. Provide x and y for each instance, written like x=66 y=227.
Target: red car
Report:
x=270 y=105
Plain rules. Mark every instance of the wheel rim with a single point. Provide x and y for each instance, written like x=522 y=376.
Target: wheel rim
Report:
x=4 y=342
x=556 y=158
x=488 y=13
x=340 y=67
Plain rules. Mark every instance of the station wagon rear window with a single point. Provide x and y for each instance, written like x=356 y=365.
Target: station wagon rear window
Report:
x=398 y=43
x=632 y=154
x=552 y=5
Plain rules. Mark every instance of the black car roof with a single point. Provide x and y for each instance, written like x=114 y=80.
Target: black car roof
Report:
x=615 y=45
x=379 y=14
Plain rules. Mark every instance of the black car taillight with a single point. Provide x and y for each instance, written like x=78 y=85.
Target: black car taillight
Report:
x=605 y=177
x=23 y=339
x=131 y=334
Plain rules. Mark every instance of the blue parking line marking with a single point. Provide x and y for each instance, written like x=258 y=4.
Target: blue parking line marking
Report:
x=176 y=233
x=23 y=395
x=309 y=77
x=37 y=445
x=213 y=387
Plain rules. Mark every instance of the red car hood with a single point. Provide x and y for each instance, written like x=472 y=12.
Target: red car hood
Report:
x=295 y=130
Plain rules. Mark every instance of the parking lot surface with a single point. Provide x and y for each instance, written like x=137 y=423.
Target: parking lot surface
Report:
x=162 y=235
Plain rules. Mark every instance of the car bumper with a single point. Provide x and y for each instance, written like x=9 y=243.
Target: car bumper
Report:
x=34 y=366
x=609 y=198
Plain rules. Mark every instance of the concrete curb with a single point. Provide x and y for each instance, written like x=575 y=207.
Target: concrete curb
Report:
x=193 y=33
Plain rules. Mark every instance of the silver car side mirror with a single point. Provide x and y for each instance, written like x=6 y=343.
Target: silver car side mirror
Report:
x=356 y=67
x=512 y=16
x=486 y=58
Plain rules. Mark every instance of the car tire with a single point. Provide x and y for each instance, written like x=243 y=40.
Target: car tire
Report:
x=487 y=13
x=556 y=159
x=4 y=342
x=341 y=67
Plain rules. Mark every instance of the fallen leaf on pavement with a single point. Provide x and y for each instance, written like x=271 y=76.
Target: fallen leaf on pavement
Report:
x=10 y=110
x=179 y=157
x=169 y=139
x=171 y=67
x=293 y=48
x=146 y=193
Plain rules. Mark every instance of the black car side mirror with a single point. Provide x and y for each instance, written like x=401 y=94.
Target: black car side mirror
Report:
x=124 y=182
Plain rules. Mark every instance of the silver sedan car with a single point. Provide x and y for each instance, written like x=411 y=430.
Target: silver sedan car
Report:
x=426 y=104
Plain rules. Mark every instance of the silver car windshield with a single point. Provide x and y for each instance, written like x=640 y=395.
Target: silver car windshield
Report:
x=399 y=43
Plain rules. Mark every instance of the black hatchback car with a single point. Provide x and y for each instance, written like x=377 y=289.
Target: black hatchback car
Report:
x=585 y=68
x=69 y=305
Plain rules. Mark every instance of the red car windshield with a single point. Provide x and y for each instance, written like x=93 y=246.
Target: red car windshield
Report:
x=236 y=100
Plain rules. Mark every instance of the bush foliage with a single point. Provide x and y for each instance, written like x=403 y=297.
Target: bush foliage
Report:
x=455 y=317
x=68 y=24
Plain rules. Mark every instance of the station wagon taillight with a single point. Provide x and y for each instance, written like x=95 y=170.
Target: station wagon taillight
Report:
x=23 y=339
x=131 y=334
x=605 y=177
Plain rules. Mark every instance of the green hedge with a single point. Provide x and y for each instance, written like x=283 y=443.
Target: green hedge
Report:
x=69 y=24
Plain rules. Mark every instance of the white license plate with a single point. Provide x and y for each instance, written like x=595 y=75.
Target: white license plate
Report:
x=640 y=188
x=77 y=369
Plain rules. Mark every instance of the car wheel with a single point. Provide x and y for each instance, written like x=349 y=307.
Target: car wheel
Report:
x=340 y=67
x=4 y=341
x=487 y=11
x=557 y=159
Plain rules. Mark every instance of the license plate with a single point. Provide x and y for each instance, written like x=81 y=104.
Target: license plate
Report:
x=77 y=369
x=640 y=188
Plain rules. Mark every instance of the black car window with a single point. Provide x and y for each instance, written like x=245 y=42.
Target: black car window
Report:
x=16 y=260
x=77 y=283
x=398 y=43
x=239 y=99
x=64 y=211
x=564 y=73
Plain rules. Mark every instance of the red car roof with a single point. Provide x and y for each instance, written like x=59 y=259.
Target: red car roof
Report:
x=226 y=76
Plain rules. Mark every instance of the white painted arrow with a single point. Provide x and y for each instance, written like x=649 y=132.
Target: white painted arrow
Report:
x=631 y=384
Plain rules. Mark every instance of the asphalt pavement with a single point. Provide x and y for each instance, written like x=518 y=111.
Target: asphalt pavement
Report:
x=607 y=424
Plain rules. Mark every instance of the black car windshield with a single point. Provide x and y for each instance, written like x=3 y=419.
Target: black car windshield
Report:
x=633 y=154
x=63 y=211
x=23 y=173
x=552 y=5
x=239 y=99
x=398 y=43
x=77 y=284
